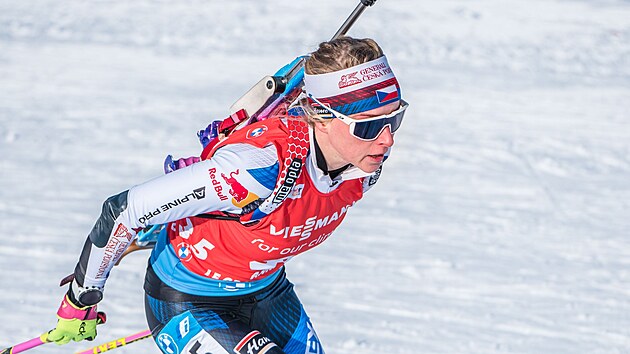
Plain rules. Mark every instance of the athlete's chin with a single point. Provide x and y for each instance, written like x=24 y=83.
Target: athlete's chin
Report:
x=371 y=163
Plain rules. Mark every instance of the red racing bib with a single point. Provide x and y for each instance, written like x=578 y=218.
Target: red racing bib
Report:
x=234 y=251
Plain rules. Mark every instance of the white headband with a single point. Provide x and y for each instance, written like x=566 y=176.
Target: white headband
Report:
x=359 y=88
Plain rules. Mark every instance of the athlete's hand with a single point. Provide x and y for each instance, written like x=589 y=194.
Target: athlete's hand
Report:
x=74 y=323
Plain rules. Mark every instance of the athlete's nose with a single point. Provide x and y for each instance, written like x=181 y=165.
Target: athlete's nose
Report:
x=386 y=137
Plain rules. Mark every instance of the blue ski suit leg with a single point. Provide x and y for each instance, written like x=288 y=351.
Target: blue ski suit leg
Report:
x=271 y=321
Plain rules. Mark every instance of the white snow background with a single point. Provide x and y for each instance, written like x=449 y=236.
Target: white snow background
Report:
x=500 y=223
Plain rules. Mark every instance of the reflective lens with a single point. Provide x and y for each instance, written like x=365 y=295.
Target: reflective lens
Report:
x=371 y=129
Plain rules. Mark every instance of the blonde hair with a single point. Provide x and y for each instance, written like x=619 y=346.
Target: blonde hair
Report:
x=338 y=54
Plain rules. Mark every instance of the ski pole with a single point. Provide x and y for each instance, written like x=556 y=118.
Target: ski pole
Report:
x=24 y=346
x=37 y=341
x=116 y=343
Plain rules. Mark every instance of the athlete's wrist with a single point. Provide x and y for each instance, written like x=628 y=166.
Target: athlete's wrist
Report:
x=84 y=296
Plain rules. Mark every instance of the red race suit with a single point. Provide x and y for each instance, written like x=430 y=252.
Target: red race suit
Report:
x=266 y=174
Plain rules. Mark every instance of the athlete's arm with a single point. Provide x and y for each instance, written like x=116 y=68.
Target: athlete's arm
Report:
x=236 y=175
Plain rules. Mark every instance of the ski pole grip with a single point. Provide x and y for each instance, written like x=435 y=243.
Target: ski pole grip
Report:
x=368 y=2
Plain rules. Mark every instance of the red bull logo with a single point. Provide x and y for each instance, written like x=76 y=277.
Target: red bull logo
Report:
x=241 y=196
x=236 y=188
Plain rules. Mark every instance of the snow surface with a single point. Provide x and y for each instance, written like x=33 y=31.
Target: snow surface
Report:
x=500 y=224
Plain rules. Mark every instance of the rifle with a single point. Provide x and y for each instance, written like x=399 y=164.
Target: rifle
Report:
x=260 y=100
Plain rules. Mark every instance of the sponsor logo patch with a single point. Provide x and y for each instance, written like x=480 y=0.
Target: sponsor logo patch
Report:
x=312 y=342
x=256 y=132
x=374 y=178
x=198 y=193
x=254 y=343
x=184 y=327
x=184 y=252
x=167 y=344
x=241 y=196
x=236 y=188
x=322 y=111
x=123 y=232
x=218 y=188
x=349 y=80
x=296 y=192
x=374 y=72
x=304 y=230
x=293 y=172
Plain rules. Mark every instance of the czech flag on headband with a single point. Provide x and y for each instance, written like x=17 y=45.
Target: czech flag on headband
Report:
x=356 y=89
x=387 y=94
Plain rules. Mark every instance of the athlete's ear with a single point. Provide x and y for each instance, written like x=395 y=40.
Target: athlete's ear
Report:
x=322 y=125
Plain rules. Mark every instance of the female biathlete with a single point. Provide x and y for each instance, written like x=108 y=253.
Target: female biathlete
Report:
x=215 y=281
